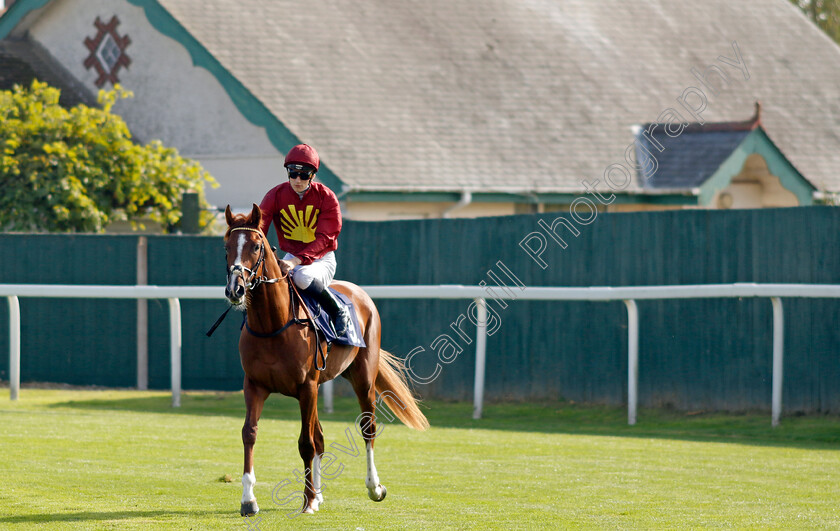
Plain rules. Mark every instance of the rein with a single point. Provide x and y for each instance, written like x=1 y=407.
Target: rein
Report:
x=253 y=282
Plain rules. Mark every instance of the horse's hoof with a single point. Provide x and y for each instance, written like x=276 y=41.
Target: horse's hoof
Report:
x=377 y=494
x=249 y=509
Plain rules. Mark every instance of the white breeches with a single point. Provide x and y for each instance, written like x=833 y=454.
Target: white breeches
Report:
x=322 y=269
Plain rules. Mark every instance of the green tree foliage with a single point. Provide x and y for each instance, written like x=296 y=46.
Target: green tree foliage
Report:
x=77 y=170
x=825 y=13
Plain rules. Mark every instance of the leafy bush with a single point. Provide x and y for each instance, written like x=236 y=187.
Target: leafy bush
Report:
x=77 y=170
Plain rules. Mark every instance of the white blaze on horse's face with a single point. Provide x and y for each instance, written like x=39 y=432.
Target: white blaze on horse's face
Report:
x=235 y=289
x=240 y=245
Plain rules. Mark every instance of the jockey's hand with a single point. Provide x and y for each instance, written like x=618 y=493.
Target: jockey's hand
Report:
x=288 y=265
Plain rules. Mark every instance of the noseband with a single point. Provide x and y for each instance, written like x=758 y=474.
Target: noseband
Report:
x=254 y=280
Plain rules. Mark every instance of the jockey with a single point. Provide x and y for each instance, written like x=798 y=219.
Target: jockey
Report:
x=307 y=219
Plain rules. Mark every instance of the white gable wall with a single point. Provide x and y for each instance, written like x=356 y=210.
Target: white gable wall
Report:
x=182 y=105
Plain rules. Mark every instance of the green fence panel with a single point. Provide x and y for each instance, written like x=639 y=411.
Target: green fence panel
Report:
x=75 y=341
x=703 y=354
x=694 y=354
x=207 y=362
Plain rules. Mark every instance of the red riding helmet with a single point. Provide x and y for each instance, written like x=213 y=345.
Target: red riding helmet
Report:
x=303 y=154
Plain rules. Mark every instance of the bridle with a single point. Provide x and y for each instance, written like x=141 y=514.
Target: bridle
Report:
x=254 y=280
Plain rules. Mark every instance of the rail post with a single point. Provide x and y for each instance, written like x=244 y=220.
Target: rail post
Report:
x=778 y=358
x=175 y=349
x=14 y=346
x=480 y=356
x=632 y=360
x=327 y=388
x=142 y=315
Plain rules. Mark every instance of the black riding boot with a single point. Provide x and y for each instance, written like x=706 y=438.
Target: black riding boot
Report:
x=339 y=315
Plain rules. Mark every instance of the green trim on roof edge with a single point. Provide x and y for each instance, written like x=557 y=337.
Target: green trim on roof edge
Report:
x=498 y=197
x=758 y=142
x=14 y=14
x=249 y=105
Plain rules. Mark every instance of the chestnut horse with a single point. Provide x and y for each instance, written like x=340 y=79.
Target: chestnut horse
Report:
x=280 y=354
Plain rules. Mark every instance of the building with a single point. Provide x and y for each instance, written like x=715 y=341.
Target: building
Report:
x=430 y=109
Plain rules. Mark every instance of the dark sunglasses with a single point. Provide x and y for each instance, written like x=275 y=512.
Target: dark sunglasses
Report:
x=301 y=175
x=299 y=171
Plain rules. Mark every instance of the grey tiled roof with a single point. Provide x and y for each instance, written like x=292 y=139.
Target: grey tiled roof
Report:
x=517 y=95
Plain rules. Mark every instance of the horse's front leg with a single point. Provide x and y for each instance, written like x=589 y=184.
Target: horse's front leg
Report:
x=310 y=433
x=316 y=461
x=254 y=400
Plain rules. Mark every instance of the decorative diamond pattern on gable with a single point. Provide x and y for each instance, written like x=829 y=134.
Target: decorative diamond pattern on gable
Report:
x=107 y=51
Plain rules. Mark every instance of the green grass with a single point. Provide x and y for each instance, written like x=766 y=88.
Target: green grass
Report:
x=126 y=460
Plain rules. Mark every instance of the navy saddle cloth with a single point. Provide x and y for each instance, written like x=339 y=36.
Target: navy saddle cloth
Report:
x=352 y=337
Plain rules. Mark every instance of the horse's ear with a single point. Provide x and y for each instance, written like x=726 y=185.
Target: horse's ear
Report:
x=228 y=215
x=256 y=215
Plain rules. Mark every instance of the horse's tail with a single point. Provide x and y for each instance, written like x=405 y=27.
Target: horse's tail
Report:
x=392 y=386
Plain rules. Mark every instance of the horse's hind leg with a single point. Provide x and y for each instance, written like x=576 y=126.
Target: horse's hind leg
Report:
x=363 y=376
x=254 y=400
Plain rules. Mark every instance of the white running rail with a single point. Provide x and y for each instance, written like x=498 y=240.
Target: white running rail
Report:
x=775 y=292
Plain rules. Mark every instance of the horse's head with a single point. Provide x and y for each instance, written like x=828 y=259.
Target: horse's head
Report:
x=245 y=247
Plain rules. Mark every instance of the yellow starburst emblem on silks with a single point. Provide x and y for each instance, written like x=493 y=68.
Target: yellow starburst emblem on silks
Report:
x=299 y=225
